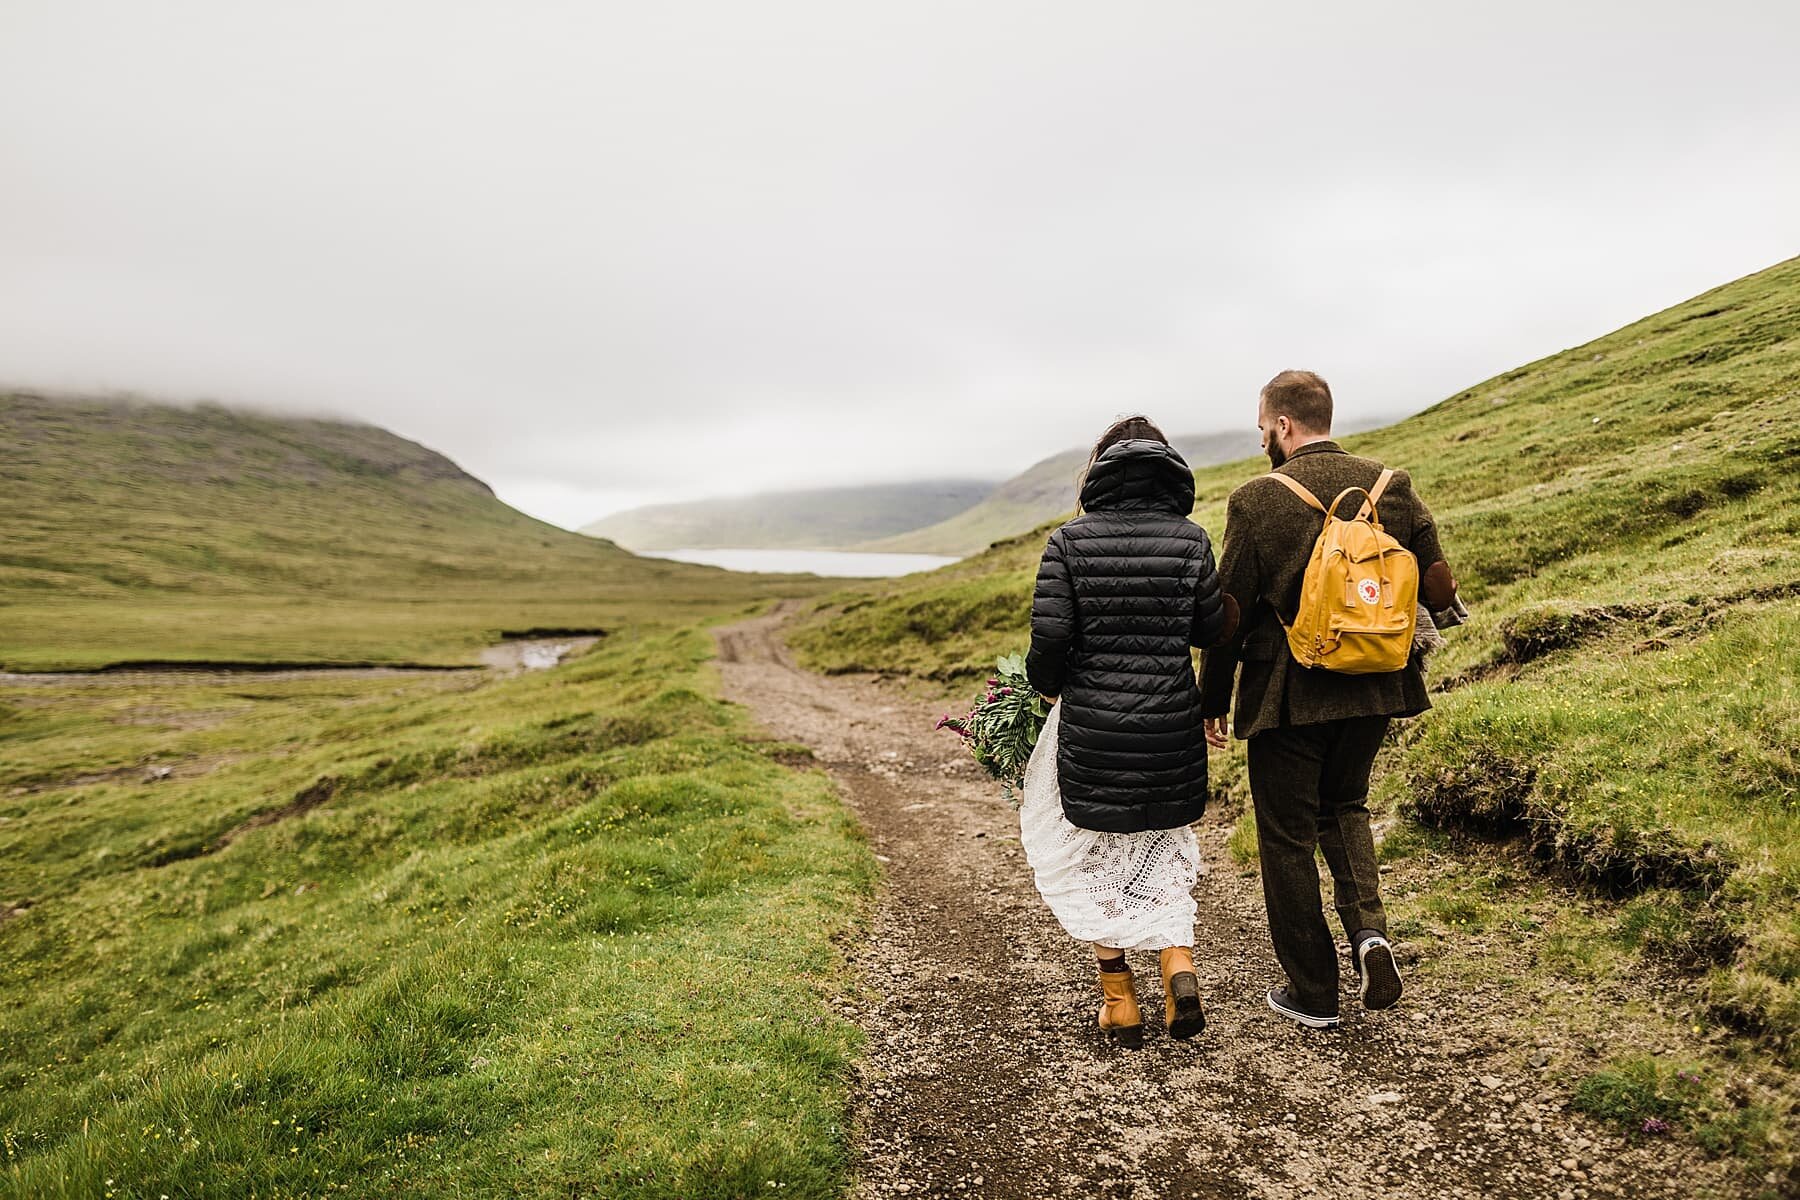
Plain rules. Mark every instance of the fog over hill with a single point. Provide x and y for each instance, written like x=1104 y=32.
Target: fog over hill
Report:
x=954 y=517
x=947 y=517
x=809 y=519
x=1040 y=492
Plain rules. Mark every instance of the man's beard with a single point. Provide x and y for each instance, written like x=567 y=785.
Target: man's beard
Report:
x=1276 y=454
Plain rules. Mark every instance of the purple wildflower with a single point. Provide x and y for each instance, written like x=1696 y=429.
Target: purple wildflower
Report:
x=1006 y=691
x=942 y=721
x=1655 y=1125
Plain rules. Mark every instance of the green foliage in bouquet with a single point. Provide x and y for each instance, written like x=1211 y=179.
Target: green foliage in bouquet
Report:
x=1004 y=724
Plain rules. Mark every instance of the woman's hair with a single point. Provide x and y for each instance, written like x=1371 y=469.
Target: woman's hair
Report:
x=1126 y=429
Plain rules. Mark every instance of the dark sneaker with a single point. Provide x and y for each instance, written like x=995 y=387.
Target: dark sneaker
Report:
x=1280 y=1002
x=1379 y=974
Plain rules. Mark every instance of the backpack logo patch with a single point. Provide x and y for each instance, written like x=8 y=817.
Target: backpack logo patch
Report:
x=1370 y=591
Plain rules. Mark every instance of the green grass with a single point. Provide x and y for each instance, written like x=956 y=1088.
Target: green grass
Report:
x=1676 y=769
x=1659 y=1099
x=138 y=531
x=556 y=934
x=1625 y=520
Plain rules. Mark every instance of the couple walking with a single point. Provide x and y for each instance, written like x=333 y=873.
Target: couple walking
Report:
x=1119 y=773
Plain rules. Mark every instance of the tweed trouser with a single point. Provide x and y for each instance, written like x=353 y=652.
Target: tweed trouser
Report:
x=1310 y=786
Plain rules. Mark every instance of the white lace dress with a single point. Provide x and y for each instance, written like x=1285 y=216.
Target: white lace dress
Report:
x=1134 y=891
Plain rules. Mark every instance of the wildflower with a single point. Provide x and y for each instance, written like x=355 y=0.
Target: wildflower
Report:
x=1005 y=691
x=1655 y=1125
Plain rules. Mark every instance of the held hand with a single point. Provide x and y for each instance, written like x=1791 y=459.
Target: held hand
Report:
x=1050 y=700
x=1218 y=732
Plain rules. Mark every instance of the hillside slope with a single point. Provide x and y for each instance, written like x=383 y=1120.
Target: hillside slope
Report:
x=1624 y=709
x=136 y=530
x=1035 y=495
x=811 y=519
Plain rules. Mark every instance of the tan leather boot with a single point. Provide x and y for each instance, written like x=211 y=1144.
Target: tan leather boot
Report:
x=1119 y=1015
x=1181 y=992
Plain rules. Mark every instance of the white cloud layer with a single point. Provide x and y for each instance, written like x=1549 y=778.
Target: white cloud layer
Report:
x=604 y=254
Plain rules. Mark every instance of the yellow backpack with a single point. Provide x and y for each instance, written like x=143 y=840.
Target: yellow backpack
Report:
x=1359 y=598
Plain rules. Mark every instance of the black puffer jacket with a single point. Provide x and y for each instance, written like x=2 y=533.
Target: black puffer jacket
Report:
x=1124 y=589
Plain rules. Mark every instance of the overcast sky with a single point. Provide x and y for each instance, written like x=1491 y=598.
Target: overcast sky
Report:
x=611 y=253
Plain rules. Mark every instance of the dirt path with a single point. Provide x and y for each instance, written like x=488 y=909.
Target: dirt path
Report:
x=984 y=1074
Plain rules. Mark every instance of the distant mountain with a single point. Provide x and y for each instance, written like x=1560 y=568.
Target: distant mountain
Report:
x=132 y=530
x=814 y=519
x=1039 y=493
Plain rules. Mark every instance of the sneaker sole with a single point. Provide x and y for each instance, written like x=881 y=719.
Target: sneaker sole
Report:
x=1189 y=1018
x=1306 y=1019
x=1381 y=986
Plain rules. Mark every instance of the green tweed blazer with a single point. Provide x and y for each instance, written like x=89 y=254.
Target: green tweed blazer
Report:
x=1269 y=536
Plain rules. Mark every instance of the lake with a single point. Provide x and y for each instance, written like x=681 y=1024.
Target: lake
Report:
x=848 y=563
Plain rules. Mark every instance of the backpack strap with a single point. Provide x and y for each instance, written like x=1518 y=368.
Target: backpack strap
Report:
x=1373 y=493
x=1299 y=489
x=1362 y=510
x=1387 y=477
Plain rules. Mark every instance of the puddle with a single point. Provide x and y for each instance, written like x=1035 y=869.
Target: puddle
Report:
x=532 y=654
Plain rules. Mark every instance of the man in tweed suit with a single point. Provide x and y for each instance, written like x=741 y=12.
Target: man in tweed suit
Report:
x=1312 y=733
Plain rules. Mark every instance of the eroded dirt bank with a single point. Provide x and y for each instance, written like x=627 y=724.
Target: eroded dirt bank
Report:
x=985 y=1076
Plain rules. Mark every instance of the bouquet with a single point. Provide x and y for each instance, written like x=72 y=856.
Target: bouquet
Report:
x=1004 y=724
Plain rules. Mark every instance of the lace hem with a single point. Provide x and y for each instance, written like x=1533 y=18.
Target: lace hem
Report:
x=1129 y=890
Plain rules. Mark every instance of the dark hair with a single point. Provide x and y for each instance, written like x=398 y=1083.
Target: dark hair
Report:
x=1125 y=429
x=1136 y=428
x=1302 y=397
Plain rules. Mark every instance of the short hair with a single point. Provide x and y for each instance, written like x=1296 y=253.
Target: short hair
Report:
x=1302 y=397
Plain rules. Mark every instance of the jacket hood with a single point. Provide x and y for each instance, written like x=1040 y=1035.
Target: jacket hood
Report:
x=1139 y=474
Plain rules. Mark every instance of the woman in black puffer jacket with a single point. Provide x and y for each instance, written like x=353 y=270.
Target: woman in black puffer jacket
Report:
x=1124 y=592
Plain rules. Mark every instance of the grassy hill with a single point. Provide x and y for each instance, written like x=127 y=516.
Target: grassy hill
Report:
x=813 y=519
x=1034 y=496
x=1625 y=708
x=140 y=531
